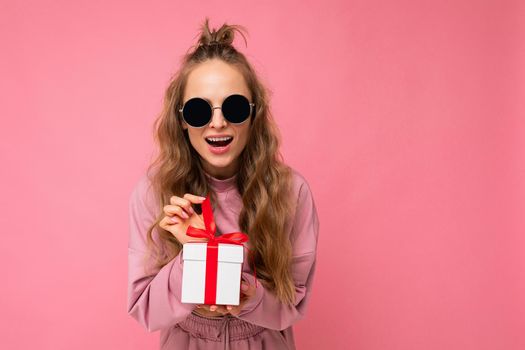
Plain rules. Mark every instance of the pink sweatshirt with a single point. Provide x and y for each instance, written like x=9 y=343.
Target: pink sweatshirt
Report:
x=154 y=300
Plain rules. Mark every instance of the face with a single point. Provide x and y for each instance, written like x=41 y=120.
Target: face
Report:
x=215 y=80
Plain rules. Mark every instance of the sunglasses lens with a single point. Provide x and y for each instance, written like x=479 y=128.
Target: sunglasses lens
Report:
x=236 y=108
x=196 y=112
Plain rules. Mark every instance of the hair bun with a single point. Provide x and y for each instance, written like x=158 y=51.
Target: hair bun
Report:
x=222 y=36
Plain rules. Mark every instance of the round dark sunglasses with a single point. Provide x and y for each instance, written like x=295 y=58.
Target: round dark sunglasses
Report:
x=197 y=112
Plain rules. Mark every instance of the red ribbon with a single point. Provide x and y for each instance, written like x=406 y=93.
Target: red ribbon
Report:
x=212 y=250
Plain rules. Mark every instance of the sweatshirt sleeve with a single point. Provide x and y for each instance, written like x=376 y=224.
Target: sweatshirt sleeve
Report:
x=264 y=308
x=154 y=298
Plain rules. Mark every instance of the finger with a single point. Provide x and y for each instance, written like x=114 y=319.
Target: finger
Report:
x=236 y=310
x=166 y=222
x=196 y=240
x=182 y=202
x=247 y=289
x=169 y=220
x=173 y=220
x=171 y=210
x=194 y=199
x=222 y=309
x=218 y=308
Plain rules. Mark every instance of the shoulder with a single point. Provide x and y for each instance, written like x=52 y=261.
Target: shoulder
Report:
x=142 y=195
x=300 y=187
x=305 y=224
x=303 y=197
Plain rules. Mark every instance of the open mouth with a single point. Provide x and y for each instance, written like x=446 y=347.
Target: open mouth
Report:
x=219 y=141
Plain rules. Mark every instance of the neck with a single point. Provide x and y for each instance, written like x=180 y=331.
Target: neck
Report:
x=221 y=173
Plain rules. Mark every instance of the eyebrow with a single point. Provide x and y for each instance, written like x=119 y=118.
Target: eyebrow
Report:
x=209 y=101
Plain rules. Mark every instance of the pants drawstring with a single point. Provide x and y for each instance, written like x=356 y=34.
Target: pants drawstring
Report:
x=225 y=328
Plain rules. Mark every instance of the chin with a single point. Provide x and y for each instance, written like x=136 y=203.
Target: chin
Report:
x=221 y=163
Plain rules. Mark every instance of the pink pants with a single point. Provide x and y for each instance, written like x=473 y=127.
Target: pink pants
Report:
x=198 y=332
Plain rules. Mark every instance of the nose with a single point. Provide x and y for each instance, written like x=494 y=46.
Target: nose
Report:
x=217 y=119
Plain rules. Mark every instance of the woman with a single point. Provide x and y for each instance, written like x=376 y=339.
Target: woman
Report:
x=231 y=152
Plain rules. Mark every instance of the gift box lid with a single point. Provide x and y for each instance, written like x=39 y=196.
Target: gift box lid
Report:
x=232 y=253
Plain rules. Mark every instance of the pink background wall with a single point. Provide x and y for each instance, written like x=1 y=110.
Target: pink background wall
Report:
x=406 y=117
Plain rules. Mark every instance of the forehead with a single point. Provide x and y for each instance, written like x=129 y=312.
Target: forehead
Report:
x=215 y=80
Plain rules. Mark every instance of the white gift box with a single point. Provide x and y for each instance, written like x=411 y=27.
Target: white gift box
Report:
x=229 y=268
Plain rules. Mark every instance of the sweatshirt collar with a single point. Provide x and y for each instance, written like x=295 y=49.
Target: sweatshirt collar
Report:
x=221 y=185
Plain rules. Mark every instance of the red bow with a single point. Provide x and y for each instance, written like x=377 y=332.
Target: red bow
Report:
x=212 y=251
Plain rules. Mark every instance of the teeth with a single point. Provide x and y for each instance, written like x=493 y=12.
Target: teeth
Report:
x=219 y=138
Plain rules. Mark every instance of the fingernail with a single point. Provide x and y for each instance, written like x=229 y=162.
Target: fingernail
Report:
x=203 y=198
x=191 y=210
x=184 y=214
x=174 y=219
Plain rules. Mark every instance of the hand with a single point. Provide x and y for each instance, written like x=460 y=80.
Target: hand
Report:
x=247 y=292
x=180 y=215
